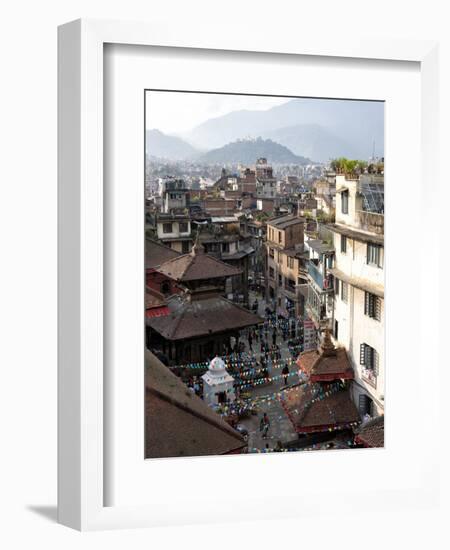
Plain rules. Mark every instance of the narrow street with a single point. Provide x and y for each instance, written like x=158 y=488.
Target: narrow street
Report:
x=281 y=428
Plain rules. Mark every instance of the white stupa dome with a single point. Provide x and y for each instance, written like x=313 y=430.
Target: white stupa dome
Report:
x=217 y=372
x=217 y=365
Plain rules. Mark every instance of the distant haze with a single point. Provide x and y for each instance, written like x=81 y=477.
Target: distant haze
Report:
x=318 y=129
x=179 y=112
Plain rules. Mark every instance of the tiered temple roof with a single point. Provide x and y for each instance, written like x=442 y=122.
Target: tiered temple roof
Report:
x=197 y=266
x=327 y=364
x=192 y=319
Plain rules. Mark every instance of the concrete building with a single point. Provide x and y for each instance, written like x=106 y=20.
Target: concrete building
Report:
x=286 y=273
x=175 y=195
x=174 y=230
x=358 y=317
x=319 y=302
x=223 y=241
x=266 y=184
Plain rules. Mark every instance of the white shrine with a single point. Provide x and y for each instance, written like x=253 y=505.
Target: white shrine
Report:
x=218 y=384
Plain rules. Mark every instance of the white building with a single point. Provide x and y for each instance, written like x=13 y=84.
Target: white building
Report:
x=358 y=313
x=218 y=384
x=266 y=184
x=175 y=231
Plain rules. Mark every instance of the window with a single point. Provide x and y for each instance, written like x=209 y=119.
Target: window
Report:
x=336 y=329
x=336 y=286
x=290 y=263
x=271 y=292
x=374 y=254
x=185 y=247
x=225 y=247
x=372 y=306
x=184 y=227
x=280 y=280
x=289 y=284
x=344 y=202
x=279 y=236
x=343 y=244
x=369 y=359
x=271 y=272
x=271 y=253
x=167 y=228
x=344 y=291
x=365 y=405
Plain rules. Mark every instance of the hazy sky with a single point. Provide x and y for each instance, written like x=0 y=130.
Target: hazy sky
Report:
x=177 y=112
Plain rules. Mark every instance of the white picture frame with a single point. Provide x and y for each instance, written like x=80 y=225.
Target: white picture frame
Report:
x=81 y=406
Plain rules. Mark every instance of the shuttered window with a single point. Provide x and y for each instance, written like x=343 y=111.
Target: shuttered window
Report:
x=369 y=357
x=378 y=309
x=374 y=254
x=343 y=244
x=344 y=202
x=336 y=286
x=372 y=305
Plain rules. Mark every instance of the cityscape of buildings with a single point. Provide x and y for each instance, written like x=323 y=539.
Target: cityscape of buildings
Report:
x=264 y=308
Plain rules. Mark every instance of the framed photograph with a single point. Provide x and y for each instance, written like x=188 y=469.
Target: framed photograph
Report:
x=243 y=326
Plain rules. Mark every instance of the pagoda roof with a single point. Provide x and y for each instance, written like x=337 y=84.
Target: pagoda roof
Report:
x=371 y=434
x=157 y=253
x=201 y=317
x=327 y=364
x=311 y=408
x=322 y=368
x=197 y=266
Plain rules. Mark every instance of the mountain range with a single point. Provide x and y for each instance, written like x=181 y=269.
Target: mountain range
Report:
x=246 y=151
x=318 y=130
x=164 y=146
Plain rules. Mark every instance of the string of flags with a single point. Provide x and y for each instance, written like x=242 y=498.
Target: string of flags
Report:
x=248 y=403
x=233 y=363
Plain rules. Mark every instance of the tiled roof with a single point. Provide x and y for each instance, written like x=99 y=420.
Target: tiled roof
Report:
x=312 y=410
x=156 y=253
x=196 y=266
x=177 y=422
x=285 y=221
x=371 y=434
x=153 y=299
x=202 y=317
x=323 y=368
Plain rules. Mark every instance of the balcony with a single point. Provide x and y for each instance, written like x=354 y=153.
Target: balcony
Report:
x=315 y=274
x=316 y=306
x=302 y=270
x=317 y=314
x=372 y=222
x=290 y=287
